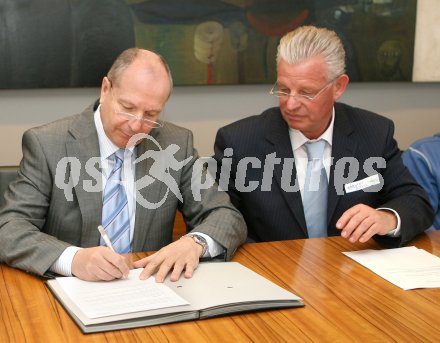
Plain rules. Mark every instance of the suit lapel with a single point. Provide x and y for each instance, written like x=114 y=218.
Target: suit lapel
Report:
x=344 y=145
x=279 y=141
x=83 y=145
x=152 y=192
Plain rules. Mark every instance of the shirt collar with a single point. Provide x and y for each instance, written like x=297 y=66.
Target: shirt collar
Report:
x=106 y=146
x=298 y=139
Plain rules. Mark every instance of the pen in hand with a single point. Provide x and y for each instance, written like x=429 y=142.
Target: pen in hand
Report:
x=105 y=237
x=108 y=242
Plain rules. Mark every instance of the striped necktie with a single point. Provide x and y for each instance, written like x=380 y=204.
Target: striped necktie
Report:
x=315 y=191
x=115 y=216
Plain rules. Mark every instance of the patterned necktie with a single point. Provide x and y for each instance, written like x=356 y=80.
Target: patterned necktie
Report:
x=115 y=216
x=315 y=191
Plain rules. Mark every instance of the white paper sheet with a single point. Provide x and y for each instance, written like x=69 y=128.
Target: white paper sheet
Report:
x=103 y=298
x=408 y=267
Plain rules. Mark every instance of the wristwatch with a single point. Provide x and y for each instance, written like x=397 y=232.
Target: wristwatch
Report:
x=199 y=240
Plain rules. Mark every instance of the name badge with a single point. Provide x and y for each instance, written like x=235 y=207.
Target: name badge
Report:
x=362 y=184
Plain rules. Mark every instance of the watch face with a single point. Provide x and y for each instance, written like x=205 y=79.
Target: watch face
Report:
x=200 y=240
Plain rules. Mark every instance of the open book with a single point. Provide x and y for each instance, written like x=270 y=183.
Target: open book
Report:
x=215 y=289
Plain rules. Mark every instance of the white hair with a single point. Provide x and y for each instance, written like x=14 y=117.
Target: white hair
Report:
x=310 y=41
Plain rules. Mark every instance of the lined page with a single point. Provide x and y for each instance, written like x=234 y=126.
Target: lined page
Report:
x=107 y=298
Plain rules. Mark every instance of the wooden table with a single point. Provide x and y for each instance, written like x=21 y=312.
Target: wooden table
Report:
x=345 y=302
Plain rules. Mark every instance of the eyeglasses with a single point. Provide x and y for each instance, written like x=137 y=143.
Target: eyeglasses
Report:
x=131 y=116
x=303 y=96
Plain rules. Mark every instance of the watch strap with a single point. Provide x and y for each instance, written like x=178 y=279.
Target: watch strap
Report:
x=199 y=240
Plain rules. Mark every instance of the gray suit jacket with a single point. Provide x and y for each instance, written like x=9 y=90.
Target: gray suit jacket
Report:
x=38 y=222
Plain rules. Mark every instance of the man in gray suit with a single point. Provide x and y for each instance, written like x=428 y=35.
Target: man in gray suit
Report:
x=366 y=190
x=53 y=209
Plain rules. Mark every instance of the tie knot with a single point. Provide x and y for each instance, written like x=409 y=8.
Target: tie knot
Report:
x=119 y=156
x=315 y=149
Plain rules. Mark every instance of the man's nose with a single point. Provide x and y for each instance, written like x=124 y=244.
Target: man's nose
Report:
x=135 y=125
x=292 y=102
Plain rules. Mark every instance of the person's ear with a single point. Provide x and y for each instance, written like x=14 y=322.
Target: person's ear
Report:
x=341 y=83
x=105 y=88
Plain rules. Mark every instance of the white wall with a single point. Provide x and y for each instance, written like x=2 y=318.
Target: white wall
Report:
x=427 y=41
x=414 y=108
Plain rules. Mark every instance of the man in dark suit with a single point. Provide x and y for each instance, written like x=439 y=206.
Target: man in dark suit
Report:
x=263 y=160
x=53 y=209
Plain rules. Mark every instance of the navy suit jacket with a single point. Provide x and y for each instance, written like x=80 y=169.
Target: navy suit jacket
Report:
x=276 y=214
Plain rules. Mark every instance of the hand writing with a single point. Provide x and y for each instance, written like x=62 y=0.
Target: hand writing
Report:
x=99 y=263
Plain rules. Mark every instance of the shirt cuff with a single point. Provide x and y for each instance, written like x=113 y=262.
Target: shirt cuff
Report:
x=396 y=231
x=63 y=265
x=214 y=248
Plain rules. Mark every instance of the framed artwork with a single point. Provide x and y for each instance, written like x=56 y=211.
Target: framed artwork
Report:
x=72 y=43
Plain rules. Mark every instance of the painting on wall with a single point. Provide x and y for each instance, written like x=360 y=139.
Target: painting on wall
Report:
x=72 y=43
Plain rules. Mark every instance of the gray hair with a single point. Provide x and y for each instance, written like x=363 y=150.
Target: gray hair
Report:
x=310 y=41
x=126 y=58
